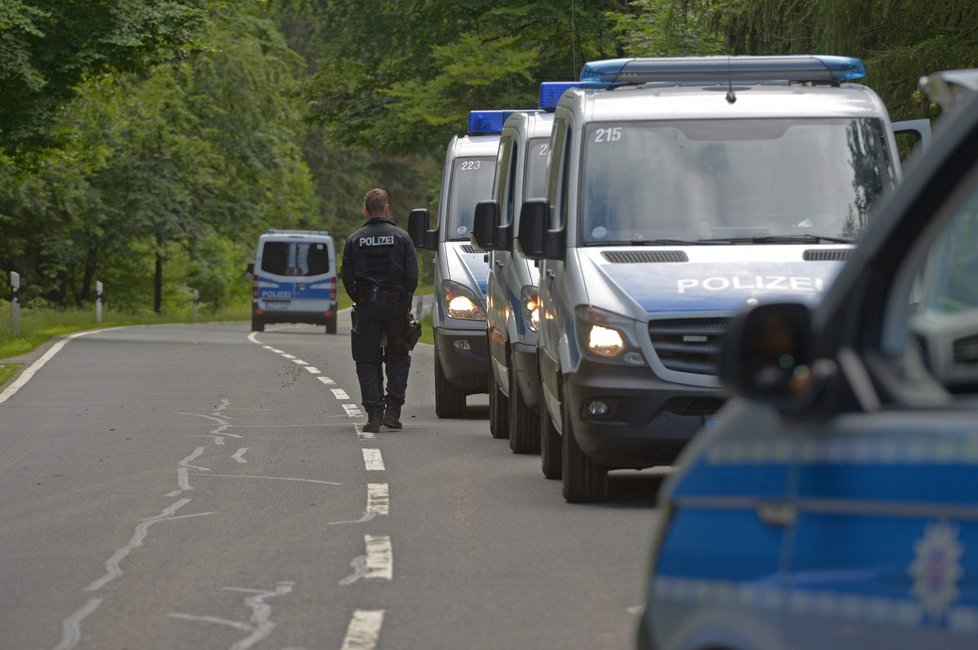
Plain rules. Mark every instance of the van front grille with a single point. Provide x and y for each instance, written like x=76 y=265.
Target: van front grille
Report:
x=689 y=344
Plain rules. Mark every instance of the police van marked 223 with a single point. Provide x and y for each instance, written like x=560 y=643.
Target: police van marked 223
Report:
x=458 y=319
x=294 y=279
x=512 y=317
x=681 y=189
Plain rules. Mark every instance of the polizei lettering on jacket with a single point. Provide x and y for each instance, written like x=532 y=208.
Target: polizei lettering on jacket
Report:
x=753 y=282
x=377 y=240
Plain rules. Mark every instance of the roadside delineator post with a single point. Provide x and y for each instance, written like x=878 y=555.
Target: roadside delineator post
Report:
x=98 y=301
x=196 y=302
x=15 y=300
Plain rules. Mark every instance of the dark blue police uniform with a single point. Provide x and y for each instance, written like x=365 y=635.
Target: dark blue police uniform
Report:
x=380 y=273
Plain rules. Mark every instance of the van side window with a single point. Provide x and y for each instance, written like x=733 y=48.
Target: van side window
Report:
x=559 y=173
x=504 y=176
x=944 y=320
x=295 y=258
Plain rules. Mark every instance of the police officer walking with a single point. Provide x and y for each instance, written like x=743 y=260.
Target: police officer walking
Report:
x=380 y=273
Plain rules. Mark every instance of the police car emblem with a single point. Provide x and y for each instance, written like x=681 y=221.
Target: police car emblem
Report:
x=935 y=569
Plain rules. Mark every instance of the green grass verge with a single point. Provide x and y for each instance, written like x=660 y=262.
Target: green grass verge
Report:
x=7 y=371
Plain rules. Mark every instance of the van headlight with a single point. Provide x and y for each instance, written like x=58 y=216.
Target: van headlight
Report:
x=460 y=302
x=608 y=337
x=530 y=301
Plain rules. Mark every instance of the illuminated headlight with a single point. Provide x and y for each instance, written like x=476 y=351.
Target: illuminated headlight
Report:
x=460 y=302
x=530 y=300
x=608 y=337
x=605 y=341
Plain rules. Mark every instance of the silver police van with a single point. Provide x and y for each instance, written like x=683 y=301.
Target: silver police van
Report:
x=834 y=504
x=458 y=318
x=294 y=279
x=679 y=190
x=512 y=317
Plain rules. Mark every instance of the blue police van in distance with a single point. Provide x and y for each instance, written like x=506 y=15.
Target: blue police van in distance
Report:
x=458 y=319
x=294 y=279
x=512 y=316
x=680 y=189
x=834 y=503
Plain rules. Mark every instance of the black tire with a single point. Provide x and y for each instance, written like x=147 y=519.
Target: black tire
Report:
x=498 y=409
x=584 y=480
x=524 y=424
x=550 y=451
x=331 y=324
x=257 y=324
x=449 y=400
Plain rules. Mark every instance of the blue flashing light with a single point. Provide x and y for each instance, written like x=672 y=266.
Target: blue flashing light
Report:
x=487 y=122
x=550 y=92
x=704 y=69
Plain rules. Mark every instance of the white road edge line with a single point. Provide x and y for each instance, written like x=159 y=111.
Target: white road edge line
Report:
x=363 y=631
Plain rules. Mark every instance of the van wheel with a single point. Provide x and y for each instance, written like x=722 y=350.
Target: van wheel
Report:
x=498 y=409
x=550 y=452
x=331 y=324
x=524 y=425
x=584 y=480
x=449 y=400
x=257 y=324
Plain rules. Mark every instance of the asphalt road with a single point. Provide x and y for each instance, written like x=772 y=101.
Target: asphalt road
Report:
x=201 y=486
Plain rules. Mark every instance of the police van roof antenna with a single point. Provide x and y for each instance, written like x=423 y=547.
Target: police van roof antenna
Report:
x=731 y=97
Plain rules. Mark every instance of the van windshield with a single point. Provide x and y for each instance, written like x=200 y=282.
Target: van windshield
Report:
x=297 y=258
x=732 y=179
x=471 y=182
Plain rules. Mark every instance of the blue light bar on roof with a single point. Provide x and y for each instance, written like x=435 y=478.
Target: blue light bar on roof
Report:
x=803 y=68
x=487 y=122
x=550 y=92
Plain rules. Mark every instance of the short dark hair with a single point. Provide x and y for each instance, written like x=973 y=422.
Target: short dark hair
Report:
x=374 y=202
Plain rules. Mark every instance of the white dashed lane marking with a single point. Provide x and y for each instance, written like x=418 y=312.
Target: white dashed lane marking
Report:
x=313 y=370
x=353 y=410
x=326 y=380
x=373 y=461
x=364 y=630
x=339 y=393
x=378 y=498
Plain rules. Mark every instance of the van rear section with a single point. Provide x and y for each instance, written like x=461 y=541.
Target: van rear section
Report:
x=294 y=280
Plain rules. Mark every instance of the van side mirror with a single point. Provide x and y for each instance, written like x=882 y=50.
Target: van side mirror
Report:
x=484 y=225
x=766 y=354
x=418 y=230
x=250 y=269
x=536 y=241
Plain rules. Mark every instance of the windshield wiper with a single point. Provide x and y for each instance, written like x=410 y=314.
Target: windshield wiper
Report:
x=782 y=239
x=651 y=242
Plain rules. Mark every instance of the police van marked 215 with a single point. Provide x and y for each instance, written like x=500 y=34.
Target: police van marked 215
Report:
x=679 y=190
x=458 y=319
x=294 y=279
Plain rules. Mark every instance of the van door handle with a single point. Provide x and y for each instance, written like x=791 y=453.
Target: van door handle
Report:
x=499 y=262
x=551 y=274
x=776 y=513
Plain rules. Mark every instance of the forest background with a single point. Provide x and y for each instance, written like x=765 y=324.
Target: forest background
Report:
x=147 y=143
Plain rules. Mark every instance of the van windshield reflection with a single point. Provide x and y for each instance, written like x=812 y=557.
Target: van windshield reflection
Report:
x=753 y=180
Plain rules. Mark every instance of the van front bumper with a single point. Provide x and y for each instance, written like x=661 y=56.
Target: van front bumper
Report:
x=648 y=420
x=464 y=356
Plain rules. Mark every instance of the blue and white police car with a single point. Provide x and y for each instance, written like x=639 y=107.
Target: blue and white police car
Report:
x=679 y=190
x=834 y=503
x=294 y=279
x=458 y=319
x=512 y=317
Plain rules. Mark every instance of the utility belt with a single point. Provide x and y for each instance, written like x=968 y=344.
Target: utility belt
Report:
x=375 y=293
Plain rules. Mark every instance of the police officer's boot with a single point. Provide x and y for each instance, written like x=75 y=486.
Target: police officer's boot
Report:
x=392 y=417
x=375 y=416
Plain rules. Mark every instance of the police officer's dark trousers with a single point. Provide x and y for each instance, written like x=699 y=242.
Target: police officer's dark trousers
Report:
x=379 y=338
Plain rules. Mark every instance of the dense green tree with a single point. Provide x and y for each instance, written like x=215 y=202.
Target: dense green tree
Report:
x=900 y=40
